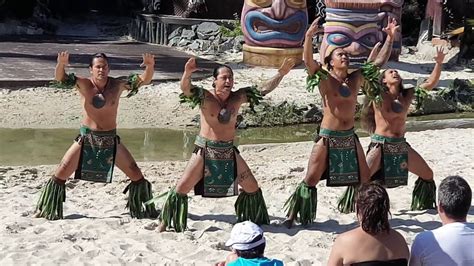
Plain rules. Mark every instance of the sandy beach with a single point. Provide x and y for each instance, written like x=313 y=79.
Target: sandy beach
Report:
x=98 y=230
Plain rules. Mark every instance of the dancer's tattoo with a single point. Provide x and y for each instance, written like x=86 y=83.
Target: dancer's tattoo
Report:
x=270 y=84
x=64 y=164
x=134 y=166
x=245 y=175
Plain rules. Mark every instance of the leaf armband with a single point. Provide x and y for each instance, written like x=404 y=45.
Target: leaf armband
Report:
x=68 y=83
x=313 y=80
x=196 y=97
x=371 y=86
x=134 y=82
x=254 y=96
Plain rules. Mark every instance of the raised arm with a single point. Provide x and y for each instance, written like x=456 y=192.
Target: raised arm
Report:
x=63 y=61
x=149 y=64
x=269 y=85
x=185 y=83
x=311 y=65
x=436 y=73
x=386 y=50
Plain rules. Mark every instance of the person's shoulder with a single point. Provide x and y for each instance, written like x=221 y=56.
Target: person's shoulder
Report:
x=425 y=236
x=348 y=238
x=397 y=234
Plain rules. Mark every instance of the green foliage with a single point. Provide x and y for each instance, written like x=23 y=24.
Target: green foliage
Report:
x=195 y=99
x=313 y=80
x=253 y=96
x=420 y=96
x=267 y=115
x=235 y=31
x=68 y=83
x=134 y=82
x=346 y=203
x=372 y=87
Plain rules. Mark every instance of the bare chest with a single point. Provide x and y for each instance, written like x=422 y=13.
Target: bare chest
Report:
x=216 y=111
x=105 y=99
x=395 y=107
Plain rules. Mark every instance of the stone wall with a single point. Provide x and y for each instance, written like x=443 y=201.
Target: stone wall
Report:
x=206 y=37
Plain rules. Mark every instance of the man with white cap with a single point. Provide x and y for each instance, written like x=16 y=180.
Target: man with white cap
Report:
x=248 y=245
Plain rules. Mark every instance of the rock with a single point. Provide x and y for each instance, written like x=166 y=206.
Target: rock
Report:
x=238 y=42
x=206 y=30
x=226 y=45
x=314 y=114
x=437 y=104
x=176 y=33
x=174 y=41
x=183 y=42
x=188 y=34
x=195 y=45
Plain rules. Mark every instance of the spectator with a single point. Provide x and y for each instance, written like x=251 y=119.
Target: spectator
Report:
x=373 y=243
x=452 y=243
x=248 y=246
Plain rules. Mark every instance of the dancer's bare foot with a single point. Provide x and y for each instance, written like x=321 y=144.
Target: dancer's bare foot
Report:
x=161 y=227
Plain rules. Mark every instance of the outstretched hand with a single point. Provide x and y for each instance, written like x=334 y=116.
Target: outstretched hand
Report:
x=148 y=60
x=392 y=27
x=286 y=66
x=63 y=58
x=314 y=28
x=190 y=66
x=440 y=54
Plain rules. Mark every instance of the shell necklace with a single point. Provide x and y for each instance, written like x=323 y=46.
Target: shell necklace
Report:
x=224 y=114
x=98 y=101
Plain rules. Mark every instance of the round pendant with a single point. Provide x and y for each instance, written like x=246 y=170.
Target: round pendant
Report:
x=397 y=106
x=224 y=116
x=344 y=90
x=98 y=101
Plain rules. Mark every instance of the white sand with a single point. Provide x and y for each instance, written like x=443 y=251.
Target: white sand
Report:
x=98 y=230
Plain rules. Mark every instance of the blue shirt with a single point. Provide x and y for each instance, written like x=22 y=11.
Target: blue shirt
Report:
x=256 y=262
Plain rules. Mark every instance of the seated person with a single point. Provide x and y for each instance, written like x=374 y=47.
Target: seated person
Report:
x=374 y=242
x=452 y=243
x=248 y=245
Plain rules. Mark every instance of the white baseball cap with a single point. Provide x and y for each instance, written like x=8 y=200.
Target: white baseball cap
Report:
x=243 y=234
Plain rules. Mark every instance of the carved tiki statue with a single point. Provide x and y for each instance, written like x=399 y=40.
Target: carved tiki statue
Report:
x=357 y=26
x=274 y=23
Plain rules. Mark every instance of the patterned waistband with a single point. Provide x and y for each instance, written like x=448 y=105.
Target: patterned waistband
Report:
x=203 y=142
x=382 y=139
x=84 y=130
x=324 y=132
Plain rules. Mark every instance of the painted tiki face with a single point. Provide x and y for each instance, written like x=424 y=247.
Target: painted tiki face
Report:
x=274 y=23
x=357 y=26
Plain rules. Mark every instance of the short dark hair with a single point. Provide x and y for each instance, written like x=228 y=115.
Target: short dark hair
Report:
x=327 y=60
x=373 y=208
x=454 y=196
x=215 y=73
x=256 y=252
x=98 y=55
